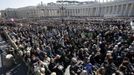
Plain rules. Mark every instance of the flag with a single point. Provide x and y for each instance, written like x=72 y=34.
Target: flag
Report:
x=132 y=25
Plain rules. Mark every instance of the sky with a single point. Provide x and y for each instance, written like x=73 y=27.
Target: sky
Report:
x=22 y=3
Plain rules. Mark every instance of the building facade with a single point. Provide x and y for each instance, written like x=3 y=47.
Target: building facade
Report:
x=107 y=8
x=93 y=9
x=25 y=12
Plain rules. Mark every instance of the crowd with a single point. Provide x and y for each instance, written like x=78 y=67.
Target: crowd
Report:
x=101 y=48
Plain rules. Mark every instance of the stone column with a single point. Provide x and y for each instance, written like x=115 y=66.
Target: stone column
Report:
x=111 y=7
x=68 y=12
x=74 y=12
x=93 y=12
x=48 y=12
x=83 y=11
x=52 y=12
x=105 y=10
x=89 y=11
x=125 y=11
x=130 y=13
x=71 y=12
x=102 y=14
x=114 y=7
x=101 y=11
x=97 y=11
x=108 y=10
x=80 y=11
x=121 y=11
x=115 y=12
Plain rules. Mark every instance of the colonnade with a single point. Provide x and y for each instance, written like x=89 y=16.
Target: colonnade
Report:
x=100 y=9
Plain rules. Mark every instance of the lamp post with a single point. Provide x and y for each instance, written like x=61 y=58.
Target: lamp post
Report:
x=61 y=11
x=43 y=8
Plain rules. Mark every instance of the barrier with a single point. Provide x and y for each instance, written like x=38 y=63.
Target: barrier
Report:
x=12 y=43
x=10 y=40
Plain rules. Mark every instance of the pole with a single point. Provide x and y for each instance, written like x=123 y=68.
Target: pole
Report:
x=62 y=12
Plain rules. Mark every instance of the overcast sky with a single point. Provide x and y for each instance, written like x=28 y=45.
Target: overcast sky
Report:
x=21 y=3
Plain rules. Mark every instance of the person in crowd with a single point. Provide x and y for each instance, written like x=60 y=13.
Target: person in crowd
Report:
x=93 y=47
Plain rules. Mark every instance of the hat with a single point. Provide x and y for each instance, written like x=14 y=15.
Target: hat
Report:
x=109 y=51
x=116 y=46
x=81 y=49
x=118 y=43
x=28 y=52
x=86 y=49
x=53 y=73
x=58 y=56
x=84 y=72
x=9 y=56
x=42 y=69
x=60 y=67
x=74 y=59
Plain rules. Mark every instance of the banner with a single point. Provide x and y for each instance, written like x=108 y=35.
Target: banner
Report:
x=132 y=25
